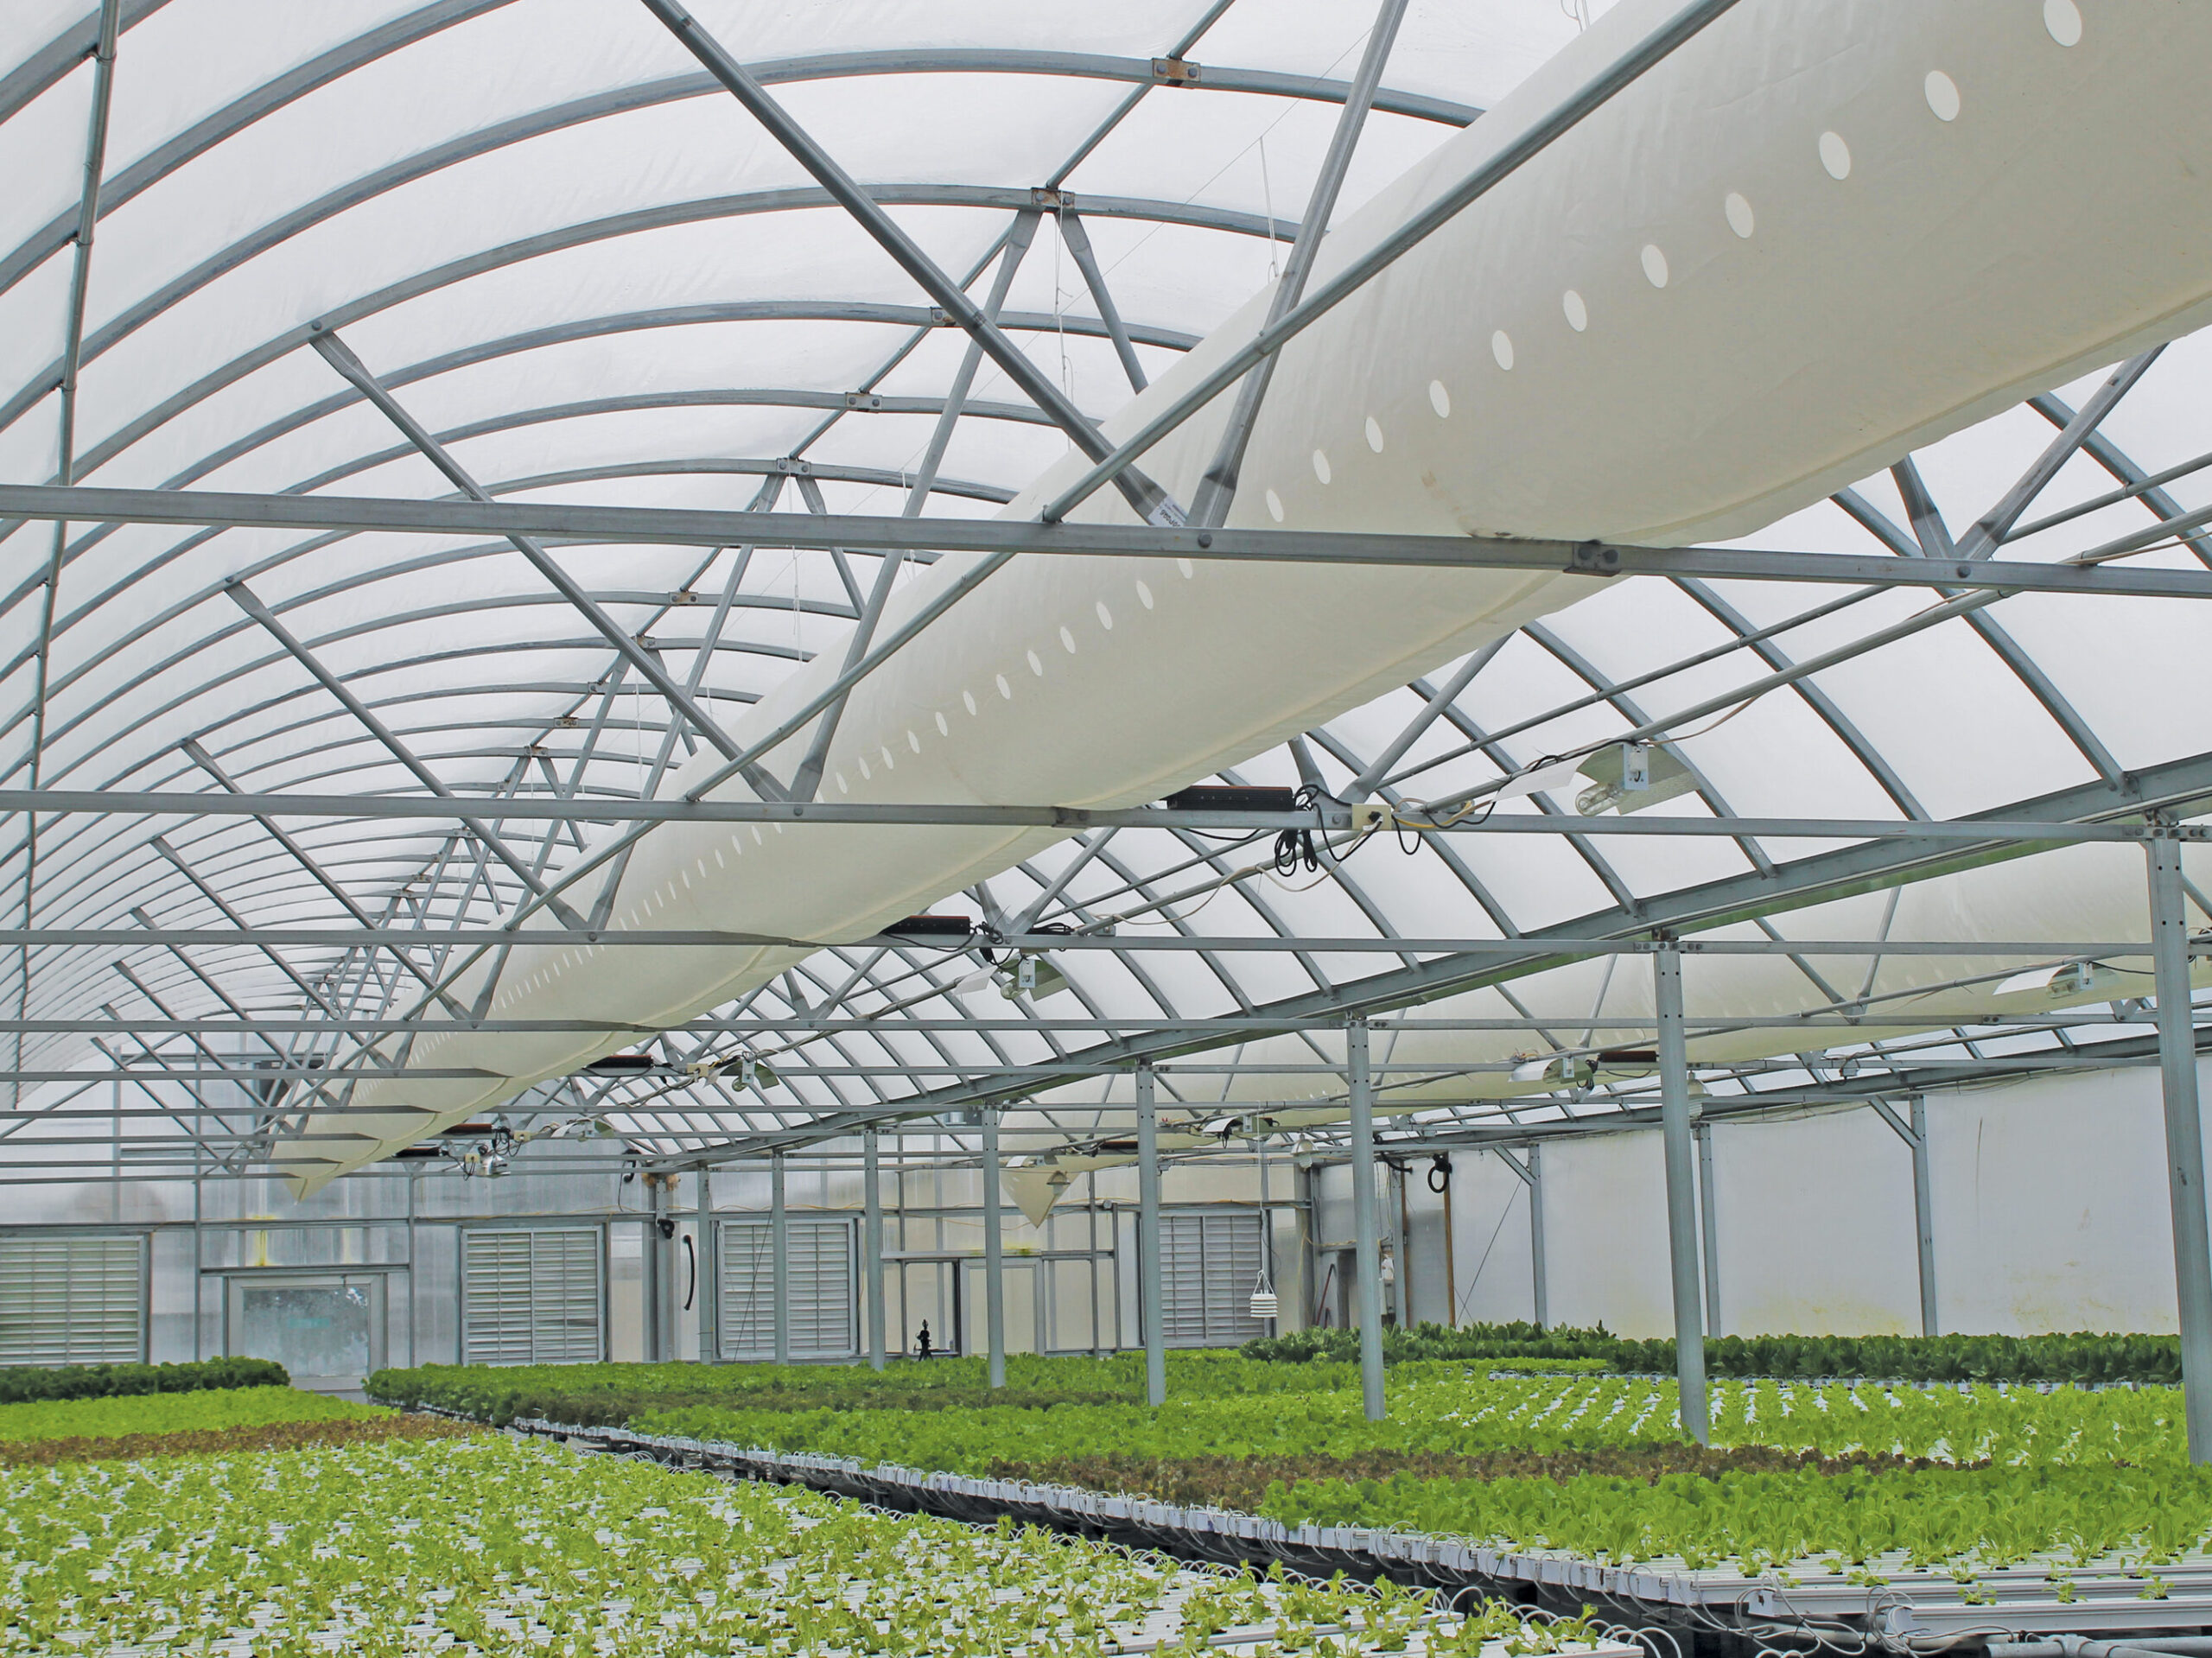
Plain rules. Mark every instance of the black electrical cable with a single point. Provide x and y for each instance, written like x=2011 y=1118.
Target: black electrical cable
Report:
x=1294 y=847
x=691 y=1283
x=1439 y=1174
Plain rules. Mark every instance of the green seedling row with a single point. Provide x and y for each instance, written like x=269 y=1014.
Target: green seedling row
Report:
x=114 y=1419
x=1454 y=1408
x=492 y=1546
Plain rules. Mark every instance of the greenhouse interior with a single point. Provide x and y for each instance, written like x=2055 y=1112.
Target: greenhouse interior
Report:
x=1244 y=826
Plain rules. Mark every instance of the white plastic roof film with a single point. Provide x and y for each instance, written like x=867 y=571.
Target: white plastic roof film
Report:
x=1793 y=286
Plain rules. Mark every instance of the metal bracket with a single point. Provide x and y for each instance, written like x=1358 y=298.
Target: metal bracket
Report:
x=1896 y=1123
x=1174 y=72
x=1593 y=558
x=862 y=400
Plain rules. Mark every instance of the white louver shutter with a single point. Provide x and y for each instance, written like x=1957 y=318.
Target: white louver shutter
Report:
x=821 y=1285
x=530 y=1298
x=1208 y=1264
x=73 y=1300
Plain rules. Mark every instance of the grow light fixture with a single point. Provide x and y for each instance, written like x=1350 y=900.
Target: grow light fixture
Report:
x=2056 y=983
x=1033 y=977
x=1026 y=975
x=1554 y=1068
x=1626 y=778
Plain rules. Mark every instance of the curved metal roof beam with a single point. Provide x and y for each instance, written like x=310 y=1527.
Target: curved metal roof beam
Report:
x=663 y=216
x=1906 y=544
x=1818 y=699
x=198 y=537
x=638 y=402
x=587 y=328
x=213 y=129
x=463 y=653
x=871 y=477
x=600 y=756
x=51 y=63
x=352 y=581
x=579 y=700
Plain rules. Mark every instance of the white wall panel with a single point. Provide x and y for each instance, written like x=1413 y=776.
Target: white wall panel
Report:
x=1605 y=1234
x=2051 y=1210
x=1815 y=1223
x=2051 y=1213
x=1489 y=1229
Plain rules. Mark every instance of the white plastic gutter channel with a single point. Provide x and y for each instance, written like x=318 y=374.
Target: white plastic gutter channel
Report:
x=1905 y=1611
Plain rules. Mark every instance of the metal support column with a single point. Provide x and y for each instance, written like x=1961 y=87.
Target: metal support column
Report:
x=1539 y=1285
x=661 y=1346
x=414 y=1241
x=1090 y=1240
x=706 y=1279
x=2184 y=1139
x=1400 y=1224
x=200 y=1246
x=1682 y=1196
x=1151 y=1314
x=872 y=1243
x=1709 y=1228
x=1923 y=1209
x=993 y=1254
x=1365 y=1220
x=780 y=1263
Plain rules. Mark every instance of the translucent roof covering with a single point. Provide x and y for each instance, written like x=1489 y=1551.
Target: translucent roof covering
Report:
x=581 y=265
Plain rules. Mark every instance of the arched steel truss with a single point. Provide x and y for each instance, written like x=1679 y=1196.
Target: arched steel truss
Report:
x=535 y=706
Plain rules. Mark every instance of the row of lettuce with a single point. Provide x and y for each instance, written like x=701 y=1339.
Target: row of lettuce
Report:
x=21 y=1382
x=1807 y=1477
x=494 y=1546
x=2083 y=1358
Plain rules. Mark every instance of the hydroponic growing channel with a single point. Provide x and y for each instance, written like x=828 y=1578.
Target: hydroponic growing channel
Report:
x=492 y=1544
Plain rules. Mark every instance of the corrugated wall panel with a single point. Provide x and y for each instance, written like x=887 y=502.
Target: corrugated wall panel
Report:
x=73 y=1300
x=823 y=1314
x=532 y=1297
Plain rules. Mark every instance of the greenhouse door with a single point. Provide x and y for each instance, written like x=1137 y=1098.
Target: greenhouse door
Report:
x=532 y=1297
x=1209 y=1266
x=73 y=1300
x=328 y=1328
x=823 y=1319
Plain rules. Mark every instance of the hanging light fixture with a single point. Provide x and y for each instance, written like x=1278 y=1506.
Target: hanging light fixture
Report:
x=1626 y=778
x=1035 y=977
x=2057 y=983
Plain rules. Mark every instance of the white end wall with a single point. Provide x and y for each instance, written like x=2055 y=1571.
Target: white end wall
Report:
x=2049 y=1200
